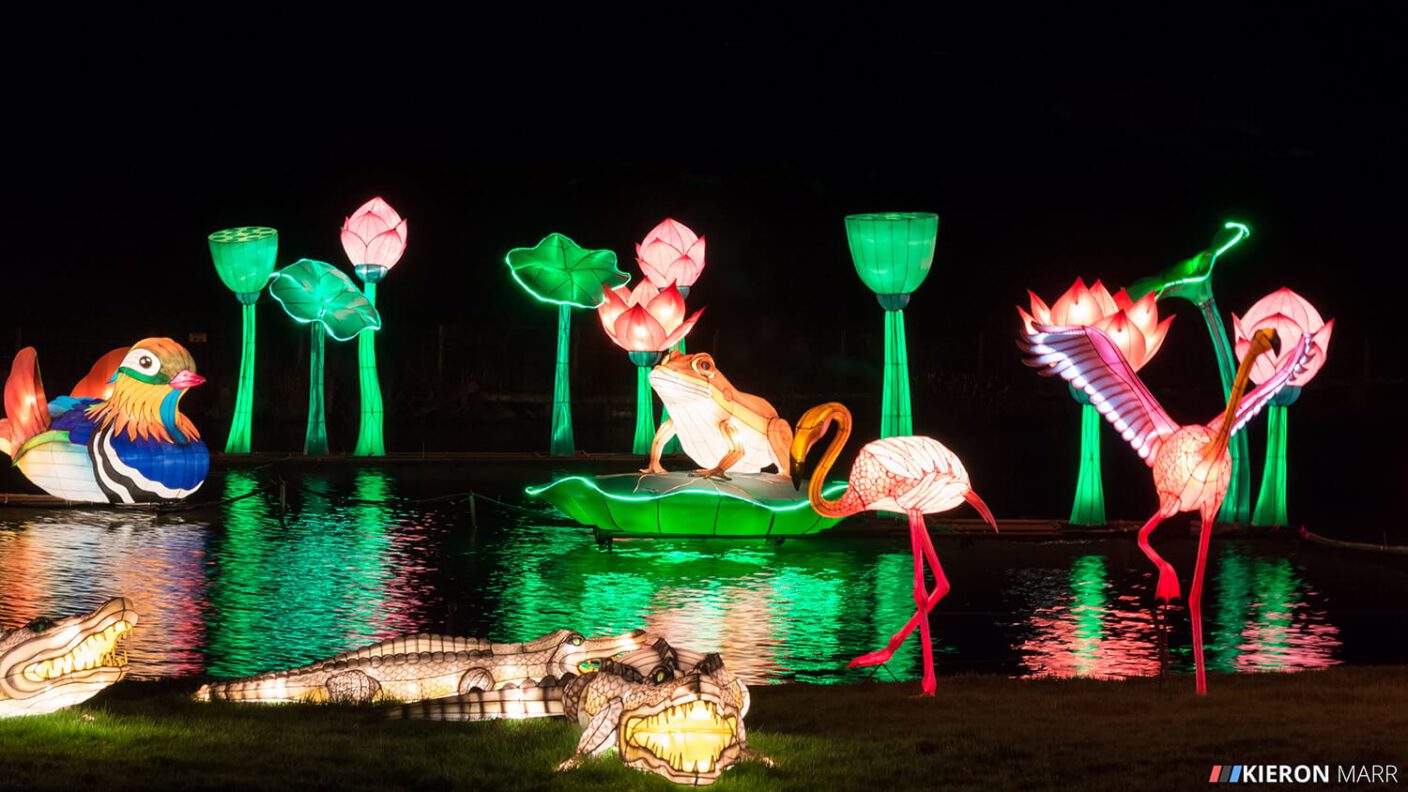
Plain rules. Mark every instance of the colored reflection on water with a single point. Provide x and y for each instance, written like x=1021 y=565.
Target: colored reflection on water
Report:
x=235 y=589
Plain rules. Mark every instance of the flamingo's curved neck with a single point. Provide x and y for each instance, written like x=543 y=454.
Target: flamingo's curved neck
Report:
x=1234 y=399
x=846 y=505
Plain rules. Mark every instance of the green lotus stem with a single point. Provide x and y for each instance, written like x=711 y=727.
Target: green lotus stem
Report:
x=1271 y=499
x=563 y=443
x=895 y=417
x=371 y=440
x=1236 y=505
x=241 y=426
x=1089 y=505
x=315 y=442
x=645 y=412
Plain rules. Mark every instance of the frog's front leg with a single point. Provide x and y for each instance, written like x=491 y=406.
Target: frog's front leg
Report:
x=663 y=435
x=735 y=452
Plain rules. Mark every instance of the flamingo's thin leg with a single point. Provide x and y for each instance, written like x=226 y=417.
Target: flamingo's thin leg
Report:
x=917 y=529
x=1195 y=600
x=941 y=588
x=1167 y=588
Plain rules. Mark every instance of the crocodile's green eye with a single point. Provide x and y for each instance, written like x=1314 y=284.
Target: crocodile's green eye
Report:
x=40 y=625
x=576 y=640
x=659 y=675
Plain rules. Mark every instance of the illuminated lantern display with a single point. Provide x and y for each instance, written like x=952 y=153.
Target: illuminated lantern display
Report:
x=323 y=297
x=722 y=428
x=663 y=709
x=1136 y=330
x=120 y=437
x=645 y=321
x=49 y=664
x=671 y=254
x=893 y=252
x=1192 y=464
x=559 y=271
x=244 y=260
x=1292 y=317
x=1191 y=279
x=374 y=238
x=416 y=667
x=913 y=476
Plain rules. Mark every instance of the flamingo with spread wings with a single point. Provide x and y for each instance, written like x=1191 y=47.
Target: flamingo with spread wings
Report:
x=1192 y=465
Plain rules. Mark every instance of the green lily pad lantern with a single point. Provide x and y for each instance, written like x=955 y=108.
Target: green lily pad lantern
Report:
x=893 y=252
x=1191 y=280
x=323 y=297
x=244 y=260
x=559 y=271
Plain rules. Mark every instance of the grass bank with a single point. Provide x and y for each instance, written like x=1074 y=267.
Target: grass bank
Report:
x=982 y=732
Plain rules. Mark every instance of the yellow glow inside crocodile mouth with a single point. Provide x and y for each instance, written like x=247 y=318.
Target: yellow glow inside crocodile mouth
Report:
x=689 y=737
x=98 y=650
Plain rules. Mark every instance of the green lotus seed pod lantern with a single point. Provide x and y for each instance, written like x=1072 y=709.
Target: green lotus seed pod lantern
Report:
x=893 y=252
x=244 y=260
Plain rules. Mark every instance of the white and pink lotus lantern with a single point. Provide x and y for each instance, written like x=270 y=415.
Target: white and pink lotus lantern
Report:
x=671 y=254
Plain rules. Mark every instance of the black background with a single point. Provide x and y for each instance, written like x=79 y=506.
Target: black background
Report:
x=1047 y=155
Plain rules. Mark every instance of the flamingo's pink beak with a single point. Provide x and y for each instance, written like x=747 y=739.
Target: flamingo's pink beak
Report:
x=186 y=379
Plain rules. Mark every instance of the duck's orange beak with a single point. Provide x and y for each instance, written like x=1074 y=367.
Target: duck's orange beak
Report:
x=186 y=379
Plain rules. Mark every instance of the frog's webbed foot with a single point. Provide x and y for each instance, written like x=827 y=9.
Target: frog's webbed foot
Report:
x=712 y=473
x=570 y=763
x=655 y=468
x=751 y=755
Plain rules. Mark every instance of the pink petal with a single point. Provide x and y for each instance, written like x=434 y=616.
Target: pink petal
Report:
x=1076 y=307
x=1041 y=312
x=643 y=293
x=637 y=331
x=672 y=232
x=659 y=254
x=683 y=330
x=1103 y=299
x=1156 y=340
x=353 y=246
x=684 y=271
x=1122 y=301
x=655 y=276
x=667 y=308
x=1026 y=320
x=386 y=249
x=612 y=307
x=1144 y=314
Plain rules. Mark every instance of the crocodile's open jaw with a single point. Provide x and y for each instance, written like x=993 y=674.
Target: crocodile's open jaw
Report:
x=47 y=665
x=690 y=738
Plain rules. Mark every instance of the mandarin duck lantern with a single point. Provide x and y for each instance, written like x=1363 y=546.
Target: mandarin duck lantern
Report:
x=563 y=273
x=671 y=254
x=1191 y=279
x=374 y=238
x=646 y=322
x=321 y=296
x=1292 y=317
x=893 y=252
x=244 y=260
x=118 y=437
x=1135 y=328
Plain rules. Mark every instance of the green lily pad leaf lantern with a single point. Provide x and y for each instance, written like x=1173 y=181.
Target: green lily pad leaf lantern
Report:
x=1191 y=280
x=244 y=259
x=559 y=271
x=323 y=297
x=893 y=252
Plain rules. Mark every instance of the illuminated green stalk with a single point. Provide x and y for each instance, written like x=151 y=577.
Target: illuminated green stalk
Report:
x=315 y=442
x=241 y=427
x=563 y=443
x=1271 y=499
x=645 y=412
x=895 y=417
x=1089 y=506
x=370 y=438
x=1236 y=506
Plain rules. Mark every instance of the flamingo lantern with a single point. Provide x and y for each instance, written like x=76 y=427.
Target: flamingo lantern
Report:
x=1192 y=464
x=912 y=475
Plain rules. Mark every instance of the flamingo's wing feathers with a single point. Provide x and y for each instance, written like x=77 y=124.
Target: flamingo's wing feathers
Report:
x=1251 y=403
x=1090 y=361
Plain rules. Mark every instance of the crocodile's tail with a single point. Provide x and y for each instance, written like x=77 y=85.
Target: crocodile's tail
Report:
x=480 y=705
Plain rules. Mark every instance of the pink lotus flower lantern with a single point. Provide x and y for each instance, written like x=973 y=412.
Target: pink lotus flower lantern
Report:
x=374 y=238
x=671 y=254
x=646 y=319
x=1133 y=326
x=1291 y=316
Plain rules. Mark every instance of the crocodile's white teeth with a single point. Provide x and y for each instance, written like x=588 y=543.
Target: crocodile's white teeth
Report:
x=98 y=650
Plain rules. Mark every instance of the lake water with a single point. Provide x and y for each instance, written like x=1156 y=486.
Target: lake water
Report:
x=232 y=590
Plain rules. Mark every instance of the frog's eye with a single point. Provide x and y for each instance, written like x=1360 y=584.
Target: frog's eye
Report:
x=704 y=366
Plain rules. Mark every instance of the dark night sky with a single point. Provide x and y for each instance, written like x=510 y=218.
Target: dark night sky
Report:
x=1046 y=158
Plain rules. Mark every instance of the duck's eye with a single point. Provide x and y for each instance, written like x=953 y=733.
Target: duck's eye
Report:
x=142 y=361
x=145 y=361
